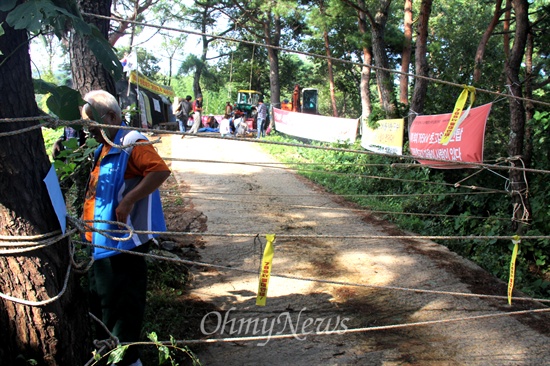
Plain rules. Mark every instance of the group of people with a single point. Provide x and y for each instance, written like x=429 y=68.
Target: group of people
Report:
x=189 y=114
x=233 y=121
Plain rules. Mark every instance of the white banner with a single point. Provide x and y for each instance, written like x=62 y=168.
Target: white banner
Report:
x=315 y=127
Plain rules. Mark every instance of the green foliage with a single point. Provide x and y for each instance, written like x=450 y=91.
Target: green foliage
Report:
x=63 y=101
x=166 y=353
x=35 y=15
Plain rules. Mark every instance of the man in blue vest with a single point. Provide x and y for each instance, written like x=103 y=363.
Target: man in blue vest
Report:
x=123 y=187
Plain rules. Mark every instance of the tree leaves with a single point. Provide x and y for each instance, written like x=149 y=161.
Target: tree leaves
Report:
x=34 y=15
x=63 y=101
x=7 y=5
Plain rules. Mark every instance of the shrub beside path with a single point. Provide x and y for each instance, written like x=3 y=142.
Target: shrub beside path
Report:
x=258 y=199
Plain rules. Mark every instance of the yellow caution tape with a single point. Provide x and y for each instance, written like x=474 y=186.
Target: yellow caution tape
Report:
x=516 y=240
x=456 y=118
x=265 y=270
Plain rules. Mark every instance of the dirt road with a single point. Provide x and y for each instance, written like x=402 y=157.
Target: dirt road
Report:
x=311 y=228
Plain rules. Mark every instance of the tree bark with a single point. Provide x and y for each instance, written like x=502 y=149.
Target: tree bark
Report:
x=529 y=106
x=330 y=75
x=484 y=39
x=56 y=333
x=520 y=201
x=406 y=56
x=272 y=37
x=366 y=104
x=383 y=75
x=88 y=73
x=421 y=64
x=506 y=29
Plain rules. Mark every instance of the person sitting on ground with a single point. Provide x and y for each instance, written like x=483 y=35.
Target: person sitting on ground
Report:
x=211 y=122
x=225 y=126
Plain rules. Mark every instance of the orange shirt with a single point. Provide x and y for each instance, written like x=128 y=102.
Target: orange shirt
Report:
x=143 y=160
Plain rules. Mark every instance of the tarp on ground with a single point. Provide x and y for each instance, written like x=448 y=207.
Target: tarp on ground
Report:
x=315 y=127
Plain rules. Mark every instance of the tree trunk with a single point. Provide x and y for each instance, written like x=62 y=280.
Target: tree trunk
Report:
x=88 y=73
x=484 y=39
x=529 y=107
x=421 y=64
x=406 y=56
x=366 y=106
x=272 y=36
x=506 y=29
x=56 y=333
x=384 y=77
x=520 y=201
x=330 y=75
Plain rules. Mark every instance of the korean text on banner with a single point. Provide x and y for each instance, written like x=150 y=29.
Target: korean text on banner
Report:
x=466 y=145
x=387 y=138
x=265 y=271
x=516 y=241
x=456 y=117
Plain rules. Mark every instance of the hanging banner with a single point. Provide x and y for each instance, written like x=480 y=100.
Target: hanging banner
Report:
x=387 y=138
x=456 y=117
x=516 y=240
x=466 y=144
x=315 y=127
x=145 y=82
x=265 y=271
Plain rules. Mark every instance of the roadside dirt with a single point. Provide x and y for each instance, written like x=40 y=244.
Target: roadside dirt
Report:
x=214 y=193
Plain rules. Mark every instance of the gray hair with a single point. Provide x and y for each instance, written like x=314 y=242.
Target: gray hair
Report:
x=103 y=102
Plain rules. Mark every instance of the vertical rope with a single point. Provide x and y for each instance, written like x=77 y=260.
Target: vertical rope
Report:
x=230 y=77
x=251 y=67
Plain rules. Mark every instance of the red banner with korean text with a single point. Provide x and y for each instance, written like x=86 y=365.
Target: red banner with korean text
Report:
x=466 y=144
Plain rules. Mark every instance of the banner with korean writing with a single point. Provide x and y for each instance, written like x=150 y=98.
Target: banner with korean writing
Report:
x=386 y=138
x=144 y=82
x=265 y=270
x=315 y=127
x=466 y=145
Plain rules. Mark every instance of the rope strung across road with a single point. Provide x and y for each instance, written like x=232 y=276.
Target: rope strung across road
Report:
x=302 y=335
x=373 y=195
x=331 y=282
x=86 y=123
x=369 y=211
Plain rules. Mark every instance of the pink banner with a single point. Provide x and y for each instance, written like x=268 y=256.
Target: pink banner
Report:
x=466 y=145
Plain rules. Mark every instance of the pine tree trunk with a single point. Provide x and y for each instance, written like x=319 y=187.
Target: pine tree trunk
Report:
x=272 y=37
x=54 y=334
x=520 y=201
x=406 y=56
x=366 y=105
x=330 y=75
x=88 y=73
x=421 y=64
